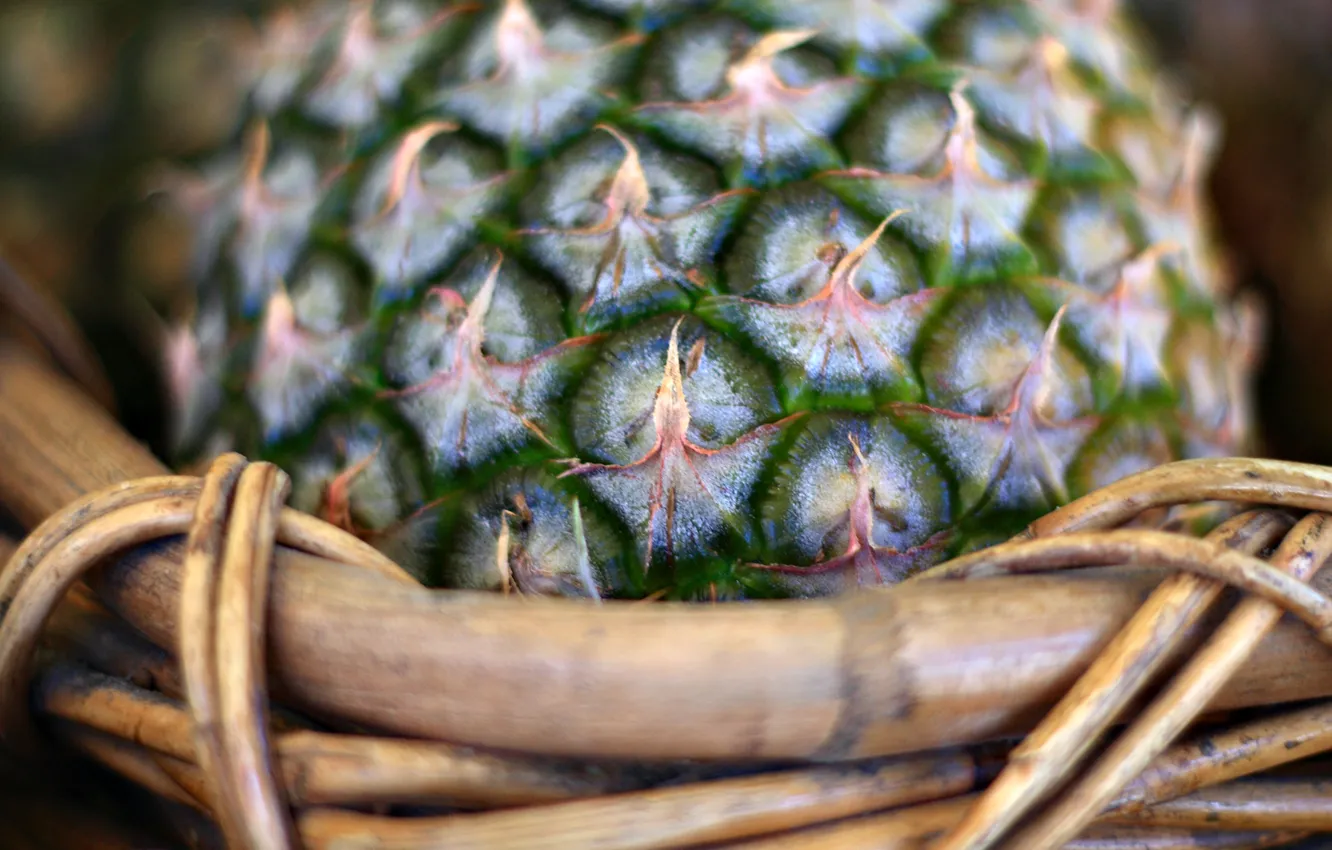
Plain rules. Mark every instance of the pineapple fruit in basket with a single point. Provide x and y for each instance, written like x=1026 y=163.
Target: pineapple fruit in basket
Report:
x=705 y=300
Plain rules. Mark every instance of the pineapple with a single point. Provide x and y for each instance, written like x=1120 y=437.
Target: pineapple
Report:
x=704 y=300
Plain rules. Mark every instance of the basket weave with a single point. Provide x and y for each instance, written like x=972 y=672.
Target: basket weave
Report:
x=1113 y=678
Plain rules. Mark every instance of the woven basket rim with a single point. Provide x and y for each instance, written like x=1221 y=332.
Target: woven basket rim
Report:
x=205 y=594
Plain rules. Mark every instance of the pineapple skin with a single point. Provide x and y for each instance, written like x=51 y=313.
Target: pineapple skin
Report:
x=707 y=300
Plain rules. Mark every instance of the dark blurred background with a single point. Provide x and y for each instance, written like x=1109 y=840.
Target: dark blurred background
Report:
x=91 y=91
x=1267 y=68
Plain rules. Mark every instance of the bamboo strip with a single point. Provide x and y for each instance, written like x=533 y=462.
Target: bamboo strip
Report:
x=865 y=675
x=71 y=694
x=1301 y=554
x=117 y=708
x=47 y=568
x=174 y=780
x=1119 y=838
x=918 y=827
x=677 y=816
x=82 y=628
x=239 y=648
x=682 y=816
x=326 y=769
x=28 y=593
x=131 y=762
x=200 y=664
x=1218 y=757
x=1251 y=480
x=1250 y=804
x=903 y=829
x=193 y=780
x=1147 y=642
x=663 y=817
x=1145 y=547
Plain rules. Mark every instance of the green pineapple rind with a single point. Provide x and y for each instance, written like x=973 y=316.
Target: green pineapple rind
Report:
x=1037 y=313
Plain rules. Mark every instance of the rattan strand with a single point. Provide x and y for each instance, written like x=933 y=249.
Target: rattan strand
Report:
x=233 y=518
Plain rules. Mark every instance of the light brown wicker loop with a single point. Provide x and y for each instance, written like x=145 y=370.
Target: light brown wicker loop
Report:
x=63 y=548
x=90 y=507
x=1050 y=752
x=198 y=604
x=1257 y=481
x=233 y=519
x=1148 y=548
x=1302 y=554
x=222 y=607
x=54 y=558
x=1032 y=771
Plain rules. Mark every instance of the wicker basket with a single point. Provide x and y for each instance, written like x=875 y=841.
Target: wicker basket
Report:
x=1145 y=668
